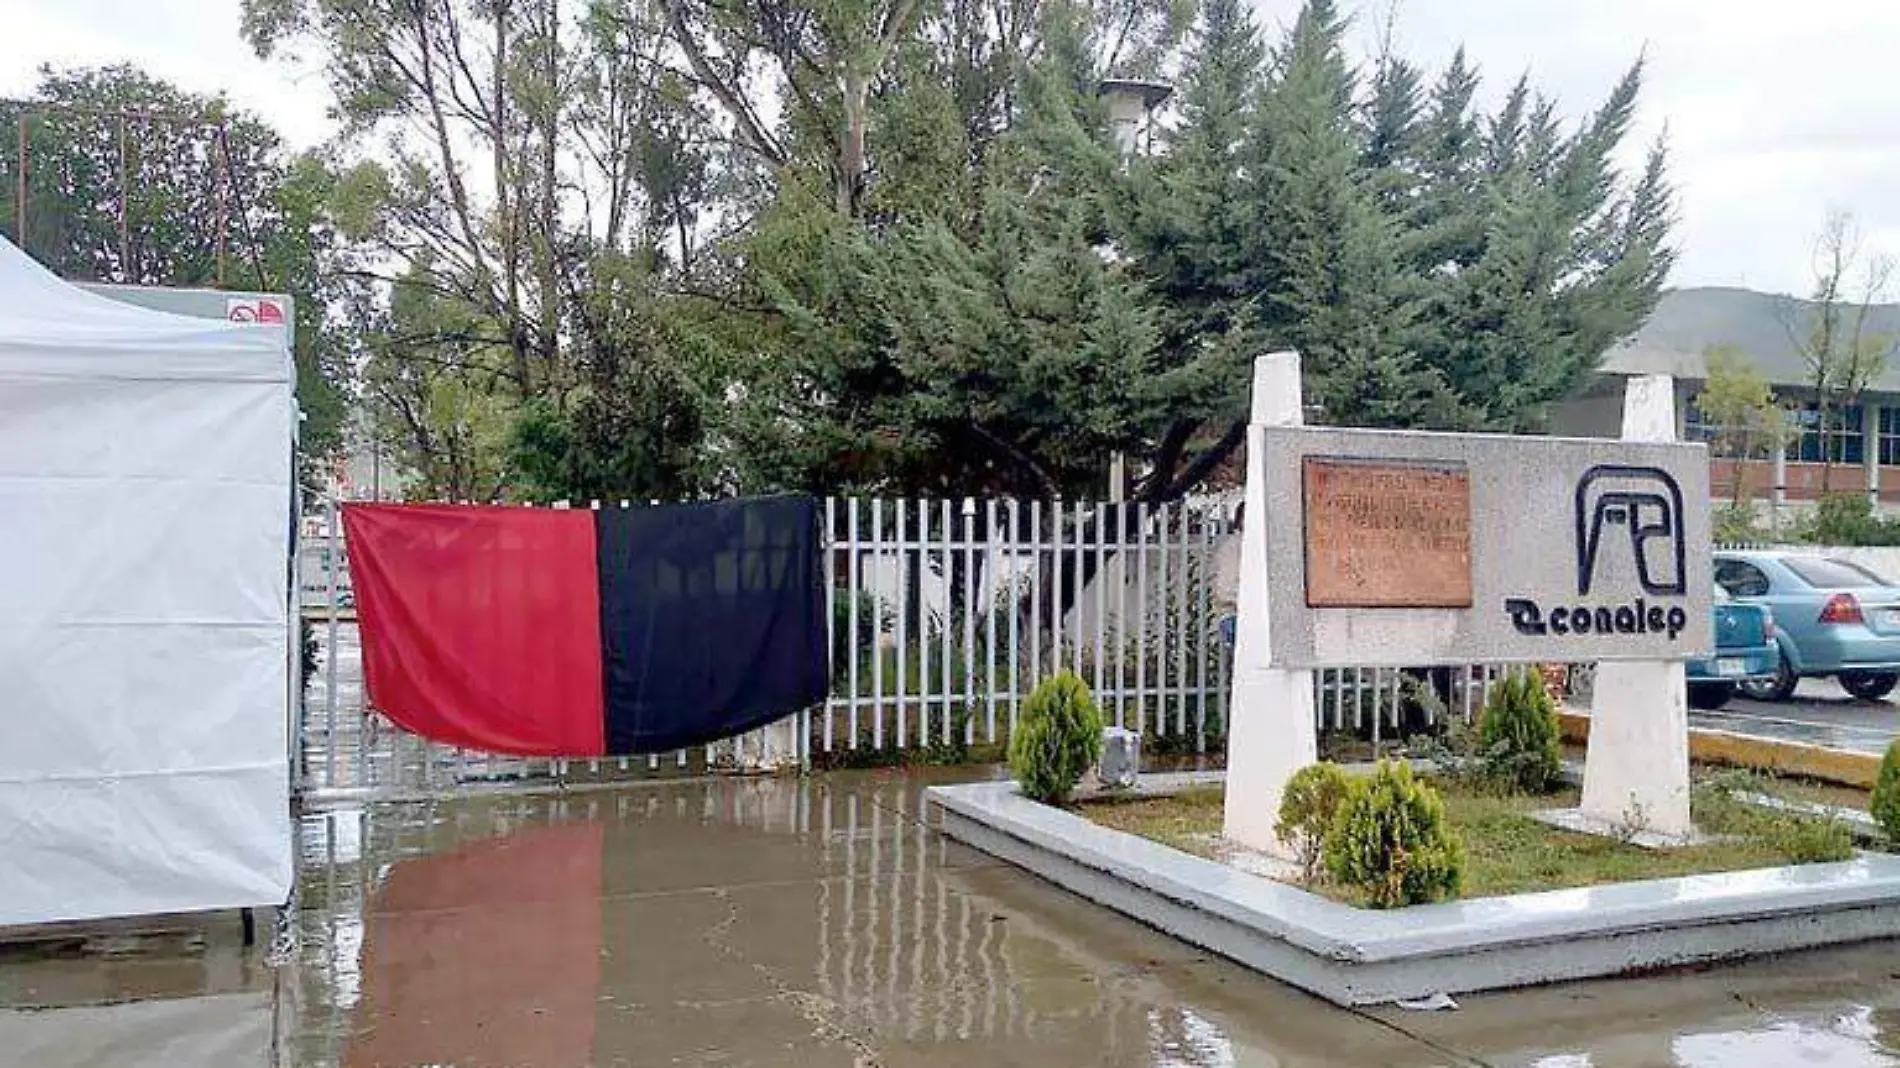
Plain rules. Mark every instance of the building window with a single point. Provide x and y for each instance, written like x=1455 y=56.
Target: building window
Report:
x=1889 y=442
x=1698 y=425
x=1845 y=444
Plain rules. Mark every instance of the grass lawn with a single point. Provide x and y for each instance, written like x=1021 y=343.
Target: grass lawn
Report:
x=1793 y=789
x=1508 y=852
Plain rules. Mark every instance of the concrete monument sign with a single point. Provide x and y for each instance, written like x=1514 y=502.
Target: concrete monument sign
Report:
x=1416 y=548
x=1365 y=548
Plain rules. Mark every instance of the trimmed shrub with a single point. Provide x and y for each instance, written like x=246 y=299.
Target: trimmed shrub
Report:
x=1391 y=841
x=1813 y=840
x=1518 y=734
x=1307 y=811
x=1057 y=739
x=1849 y=519
x=1885 y=804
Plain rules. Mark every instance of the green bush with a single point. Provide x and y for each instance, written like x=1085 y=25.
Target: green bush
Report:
x=1307 y=811
x=1058 y=738
x=1885 y=804
x=874 y=617
x=1392 y=842
x=1518 y=734
x=1848 y=519
x=1812 y=840
x=1728 y=805
x=1735 y=525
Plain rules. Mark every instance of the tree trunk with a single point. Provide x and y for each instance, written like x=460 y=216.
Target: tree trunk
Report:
x=851 y=153
x=550 y=188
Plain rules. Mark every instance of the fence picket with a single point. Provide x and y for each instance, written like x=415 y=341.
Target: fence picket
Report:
x=854 y=566
x=1181 y=624
x=969 y=621
x=1141 y=607
x=992 y=567
x=1035 y=604
x=831 y=612
x=1101 y=603
x=877 y=660
x=1203 y=624
x=945 y=626
x=1072 y=598
x=1055 y=587
x=876 y=643
x=1162 y=636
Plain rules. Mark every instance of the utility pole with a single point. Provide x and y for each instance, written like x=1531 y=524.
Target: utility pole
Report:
x=1131 y=106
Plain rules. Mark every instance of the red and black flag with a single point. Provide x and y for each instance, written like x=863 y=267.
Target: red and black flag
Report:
x=544 y=632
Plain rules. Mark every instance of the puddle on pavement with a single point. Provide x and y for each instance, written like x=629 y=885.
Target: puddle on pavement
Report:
x=762 y=922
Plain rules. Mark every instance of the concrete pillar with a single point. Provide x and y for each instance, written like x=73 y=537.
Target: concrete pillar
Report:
x=1127 y=114
x=1779 y=496
x=1636 y=769
x=1131 y=105
x=1870 y=446
x=1272 y=733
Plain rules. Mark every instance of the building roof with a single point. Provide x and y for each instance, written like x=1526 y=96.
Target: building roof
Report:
x=1152 y=94
x=1687 y=322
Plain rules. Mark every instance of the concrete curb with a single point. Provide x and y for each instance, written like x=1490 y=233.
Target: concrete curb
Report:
x=1359 y=957
x=1838 y=766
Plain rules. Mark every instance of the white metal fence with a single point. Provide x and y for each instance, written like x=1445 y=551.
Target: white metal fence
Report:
x=943 y=615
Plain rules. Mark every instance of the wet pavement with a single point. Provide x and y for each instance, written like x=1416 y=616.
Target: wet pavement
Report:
x=812 y=923
x=1820 y=713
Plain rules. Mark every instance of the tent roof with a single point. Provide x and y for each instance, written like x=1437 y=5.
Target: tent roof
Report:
x=49 y=328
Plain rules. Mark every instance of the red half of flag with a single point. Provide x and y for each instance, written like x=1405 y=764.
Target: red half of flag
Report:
x=543 y=632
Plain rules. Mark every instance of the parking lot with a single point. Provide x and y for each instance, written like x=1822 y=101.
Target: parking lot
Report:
x=1821 y=713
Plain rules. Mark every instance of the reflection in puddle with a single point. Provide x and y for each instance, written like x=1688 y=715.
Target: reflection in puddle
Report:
x=485 y=955
x=1853 y=1040
x=1846 y=1042
x=1185 y=1039
x=817 y=923
x=228 y=1030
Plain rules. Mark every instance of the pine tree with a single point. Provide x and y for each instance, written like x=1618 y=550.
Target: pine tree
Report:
x=1332 y=253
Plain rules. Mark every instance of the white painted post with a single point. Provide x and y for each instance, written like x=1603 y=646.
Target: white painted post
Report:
x=1778 y=465
x=1636 y=769
x=1870 y=451
x=1272 y=732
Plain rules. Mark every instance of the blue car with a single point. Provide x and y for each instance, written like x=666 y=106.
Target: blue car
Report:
x=1745 y=652
x=1832 y=617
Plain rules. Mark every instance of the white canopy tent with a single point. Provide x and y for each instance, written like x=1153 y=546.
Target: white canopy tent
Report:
x=145 y=526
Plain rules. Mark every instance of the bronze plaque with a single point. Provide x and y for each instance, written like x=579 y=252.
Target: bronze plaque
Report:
x=1387 y=534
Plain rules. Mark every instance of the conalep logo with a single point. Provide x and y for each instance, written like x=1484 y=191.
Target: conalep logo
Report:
x=1645 y=503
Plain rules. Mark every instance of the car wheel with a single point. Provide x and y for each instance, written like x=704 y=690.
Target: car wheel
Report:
x=1869 y=685
x=1710 y=696
x=1779 y=688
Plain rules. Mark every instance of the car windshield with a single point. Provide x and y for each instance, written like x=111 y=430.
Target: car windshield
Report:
x=1825 y=574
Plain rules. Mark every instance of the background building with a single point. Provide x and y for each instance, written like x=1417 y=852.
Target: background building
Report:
x=1864 y=433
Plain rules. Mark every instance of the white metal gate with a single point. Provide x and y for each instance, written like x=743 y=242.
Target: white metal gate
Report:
x=943 y=615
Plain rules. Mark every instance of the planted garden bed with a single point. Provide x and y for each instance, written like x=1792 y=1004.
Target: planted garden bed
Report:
x=1508 y=851
x=1538 y=904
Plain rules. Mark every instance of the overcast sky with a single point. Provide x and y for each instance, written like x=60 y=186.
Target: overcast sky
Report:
x=1775 y=110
